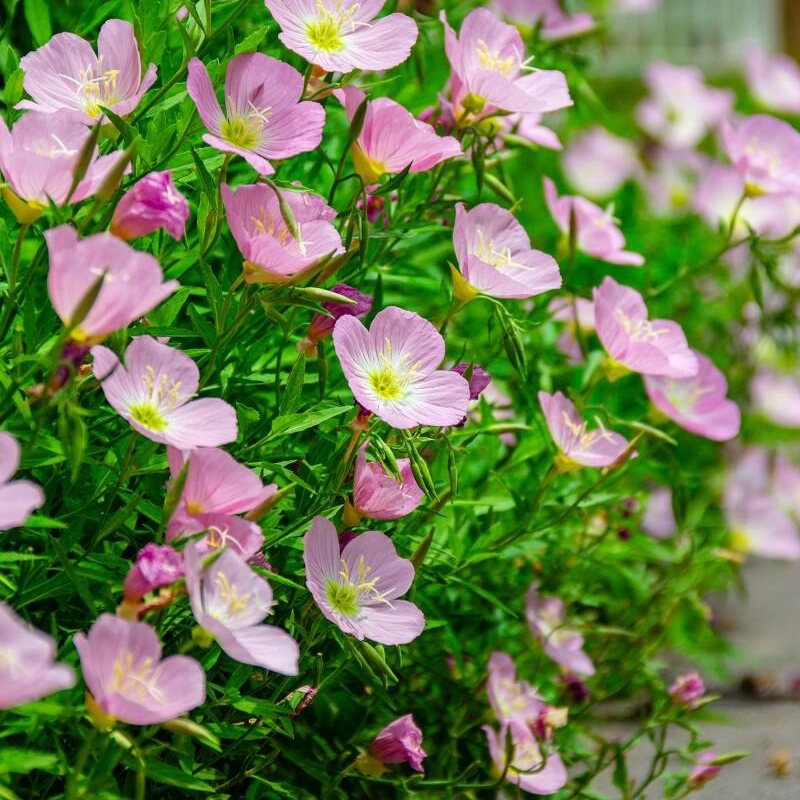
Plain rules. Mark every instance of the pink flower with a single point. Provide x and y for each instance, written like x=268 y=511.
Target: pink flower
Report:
x=343 y=35
x=156 y=565
x=765 y=151
x=651 y=347
x=38 y=158
x=154 y=390
x=775 y=396
x=597 y=162
x=577 y=445
x=658 y=519
x=526 y=767
x=391 y=370
x=18 y=499
x=670 y=180
x=577 y=313
x=687 y=690
x=511 y=699
x=65 y=76
x=241 y=536
x=133 y=283
x=229 y=600
x=272 y=251
x=773 y=80
x=596 y=231
x=495 y=256
x=527 y=126
x=376 y=493
x=122 y=666
x=391 y=139
x=357 y=589
x=264 y=119
x=152 y=203
x=487 y=59
x=698 y=404
x=477 y=377
x=321 y=325
x=27 y=669
x=548 y=15
x=681 y=109
x=704 y=770
x=400 y=742
x=564 y=645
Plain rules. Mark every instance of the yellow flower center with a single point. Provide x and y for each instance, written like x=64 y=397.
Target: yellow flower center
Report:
x=490 y=59
x=228 y=593
x=240 y=132
x=325 y=32
x=97 y=90
x=347 y=594
x=642 y=330
x=136 y=681
x=160 y=398
x=148 y=416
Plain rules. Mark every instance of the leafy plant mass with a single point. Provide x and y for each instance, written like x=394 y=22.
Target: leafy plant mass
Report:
x=355 y=443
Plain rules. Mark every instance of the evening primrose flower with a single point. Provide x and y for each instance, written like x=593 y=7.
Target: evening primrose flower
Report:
x=154 y=391
x=391 y=369
x=155 y=565
x=127 y=678
x=150 y=204
x=376 y=493
x=548 y=16
x=264 y=118
x=64 y=76
x=358 y=588
x=773 y=79
x=400 y=742
x=27 y=668
x=18 y=499
x=343 y=35
x=511 y=699
x=597 y=163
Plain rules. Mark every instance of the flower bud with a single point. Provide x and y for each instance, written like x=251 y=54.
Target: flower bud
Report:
x=152 y=203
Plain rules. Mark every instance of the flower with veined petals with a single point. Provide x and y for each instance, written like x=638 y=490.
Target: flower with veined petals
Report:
x=18 y=499
x=636 y=343
x=495 y=256
x=229 y=600
x=564 y=645
x=343 y=35
x=271 y=250
x=133 y=283
x=511 y=699
x=378 y=495
x=264 y=118
x=487 y=59
x=154 y=391
x=127 y=678
x=357 y=588
x=27 y=669
x=156 y=565
x=150 y=204
x=596 y=232
x=38 y=157
x=400 y=742
x=597 y=162
x=548 y=16
x=526 y=767
x=698 y=404
x=241 y=536
x=391 y=139
x=391 y=369
x=773 y=80
x=579 y=447
x=65 y=77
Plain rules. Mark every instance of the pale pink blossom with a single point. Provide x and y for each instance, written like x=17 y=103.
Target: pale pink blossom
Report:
x=27 y=669
x=357 y=588
x=577 y=445
x=564 y=645
x=670 y=179
x=658 y=519
x=343 y=35
x=132 y=282
x=529 y=127
x=400 y=742
x=378 y=495
x=264 y=119
x=18 y=499
x=156 y=565
x=64 y=76
x=773 y=79
x=392 y=369
x=597 y=163
x=150 y=204
x=704 y=770
x=777 y=396
x=495 y=256
x=578 y=314
x=548 y=15
x=154 y=392
x=219 y=531
x=272 y=251
x=128 y=680
x=596 y=231
x=511 y=699
x=636 y=343
x=230 y=600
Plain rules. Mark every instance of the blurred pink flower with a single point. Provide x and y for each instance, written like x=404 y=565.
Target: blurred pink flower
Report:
x=511 y=699
x=564 y=645
x=264 y=118
x=392 y=369
x=64 y=76
x=27 y=669
x=596 y=231
x=154 y=393
x=272 y=250
x=577 y=313
x=133 y=283
x=358 y=588
x=597 y=162
x=321 y=325
x=229 y=600
x=773 y=80
x=156 y=565
x=681 y=109
x=343 y=35
x=687 y=690
x=670 y=180
x=549 y=15
x=128 y=680
x=658 y=519
x=704 y=770
x=577 y=445
x=376 y=493
x=776 y=395
x=529 y=127
x=495 y=256
x=18 y=499
x=636 y=343
x=150 y=204
x=698 y=404
x=400 y=742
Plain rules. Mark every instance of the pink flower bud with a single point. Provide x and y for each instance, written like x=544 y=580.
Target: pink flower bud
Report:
x=478 y=378
x=156 y=565
x=687 y=690
x=400 y=741
x=704 y=770
x=321 y=325
x=152 y=203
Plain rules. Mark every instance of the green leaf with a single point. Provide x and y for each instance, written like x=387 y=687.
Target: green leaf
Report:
x=159 y=772
x=293 y=423
x=37 y=15
x=23 y=761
